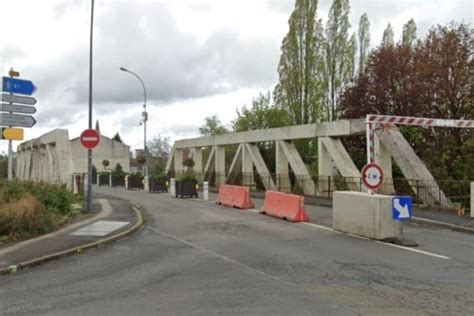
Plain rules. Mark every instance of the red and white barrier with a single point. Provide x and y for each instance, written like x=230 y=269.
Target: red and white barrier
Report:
x=234 y=196
x=285 y=206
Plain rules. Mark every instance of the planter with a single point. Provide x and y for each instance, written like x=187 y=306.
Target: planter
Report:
x=134 y=182
x=186 y=188
x=118 y=181
x=158 y=185
x=104 y=179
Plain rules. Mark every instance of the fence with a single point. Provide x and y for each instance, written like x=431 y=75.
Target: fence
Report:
x=457 y=192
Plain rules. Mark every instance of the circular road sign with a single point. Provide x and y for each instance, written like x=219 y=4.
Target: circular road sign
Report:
x=372 y=176
x=90 y=138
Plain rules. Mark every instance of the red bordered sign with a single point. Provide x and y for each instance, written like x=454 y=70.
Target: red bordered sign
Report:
x=372 y=176
x=90 y=138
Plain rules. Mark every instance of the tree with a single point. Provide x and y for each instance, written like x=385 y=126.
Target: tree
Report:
x=364 y=41
x=432 y=80
x=118 y=170
x=351 y=52
x=301 y=86
x=117 y=138
x=159 y=146
x=409 y=33
x=387 y=38
x=105 y=163
x=339 y=54
x=260 y=116
x=212 y=126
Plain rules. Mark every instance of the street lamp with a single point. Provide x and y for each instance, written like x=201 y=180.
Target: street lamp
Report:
x=145 y=118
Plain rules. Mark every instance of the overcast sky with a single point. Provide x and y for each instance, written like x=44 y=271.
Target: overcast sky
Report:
x=196 y=58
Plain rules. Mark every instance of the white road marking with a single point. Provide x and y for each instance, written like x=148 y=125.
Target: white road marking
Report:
x=414 y=250
x=99 y=228
x=365 y=238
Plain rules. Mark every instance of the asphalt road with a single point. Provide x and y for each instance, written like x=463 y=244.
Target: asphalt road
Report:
x=195 y=257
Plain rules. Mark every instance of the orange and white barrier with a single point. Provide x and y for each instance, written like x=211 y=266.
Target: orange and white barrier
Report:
x=234 y=196
x=285 y=206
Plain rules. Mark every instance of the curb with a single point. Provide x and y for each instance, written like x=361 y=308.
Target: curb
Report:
x=37 y=261
x=429 y=222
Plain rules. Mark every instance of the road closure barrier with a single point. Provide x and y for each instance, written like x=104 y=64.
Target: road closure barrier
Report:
x=284 y=206
x=234 y=196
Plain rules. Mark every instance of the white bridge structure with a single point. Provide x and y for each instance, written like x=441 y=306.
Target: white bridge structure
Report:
x=332 y=158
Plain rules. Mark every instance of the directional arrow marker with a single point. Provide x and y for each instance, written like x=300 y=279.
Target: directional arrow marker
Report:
x=7 y=119
x=20 y=86
x=18 y=99
x=11 y=133
x=17 y=108
x=402 y=207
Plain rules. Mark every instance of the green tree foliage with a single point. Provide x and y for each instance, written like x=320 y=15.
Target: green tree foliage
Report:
x=118 y=171
x=212 y=126
x=260 y=116
x=409 y=33
x=105 y=163
x=117 y=138
x=388 y=37
x=340 y=54
x=301 y=87
x=364 y=41
x=433 y=79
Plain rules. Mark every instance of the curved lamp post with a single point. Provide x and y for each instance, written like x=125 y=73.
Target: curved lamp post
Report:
x=145 y=119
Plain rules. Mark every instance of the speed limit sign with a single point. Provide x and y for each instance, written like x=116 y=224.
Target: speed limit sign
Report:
x=372 y=176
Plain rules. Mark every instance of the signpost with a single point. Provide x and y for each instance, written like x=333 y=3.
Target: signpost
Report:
x=11 y=133
x=90 y=138
x=17 y=120
x=402 y=207
x=20 y=86
x=11 y=85
x=372 y=176
x=7 y=107
x=18 y=99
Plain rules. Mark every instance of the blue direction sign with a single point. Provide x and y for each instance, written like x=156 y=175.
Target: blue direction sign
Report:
x=402 y=207
x=20 y=86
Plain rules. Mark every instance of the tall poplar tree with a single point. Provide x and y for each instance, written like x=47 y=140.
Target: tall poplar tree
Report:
x=364 y=41
x=339 y=55
x=387 y=39
x=301 y=87
x=409 y=33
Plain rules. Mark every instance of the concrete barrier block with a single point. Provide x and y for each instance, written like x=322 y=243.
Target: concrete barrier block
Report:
x=365 y=215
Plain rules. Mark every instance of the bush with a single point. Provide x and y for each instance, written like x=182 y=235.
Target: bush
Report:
x=25 y=217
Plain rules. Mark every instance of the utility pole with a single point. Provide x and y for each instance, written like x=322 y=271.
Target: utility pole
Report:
x=89 y=151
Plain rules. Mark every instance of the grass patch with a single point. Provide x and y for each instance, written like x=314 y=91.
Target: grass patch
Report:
x=30 y=209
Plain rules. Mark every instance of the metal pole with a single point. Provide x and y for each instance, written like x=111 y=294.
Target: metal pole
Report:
x=145 y=119
x=10 y=147
x=369 y=146
x=89 y=151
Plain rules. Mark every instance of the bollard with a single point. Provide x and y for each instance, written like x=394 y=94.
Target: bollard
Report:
x=110 y=180
x=98 y=179
x=126 y=182
x=472 y=199
x=173 y=186
x=146 y=184
x=205 y=190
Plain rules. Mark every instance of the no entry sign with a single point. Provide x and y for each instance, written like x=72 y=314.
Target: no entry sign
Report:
x=90 y=138
x=372 y=176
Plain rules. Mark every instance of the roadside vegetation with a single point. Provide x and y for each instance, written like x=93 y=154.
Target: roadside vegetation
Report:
x=29 y=209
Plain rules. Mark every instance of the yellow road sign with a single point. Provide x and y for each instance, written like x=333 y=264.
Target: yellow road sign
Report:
x=11 y=133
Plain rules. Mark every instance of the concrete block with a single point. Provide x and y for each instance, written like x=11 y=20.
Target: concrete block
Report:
x=146 y=184
x=365 y=215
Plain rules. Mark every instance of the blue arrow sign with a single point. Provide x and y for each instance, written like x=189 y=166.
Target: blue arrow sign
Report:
x=20 y=86
x=402 y=207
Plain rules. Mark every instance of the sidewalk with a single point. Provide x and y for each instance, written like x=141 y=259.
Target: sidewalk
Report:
x=112 y=219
